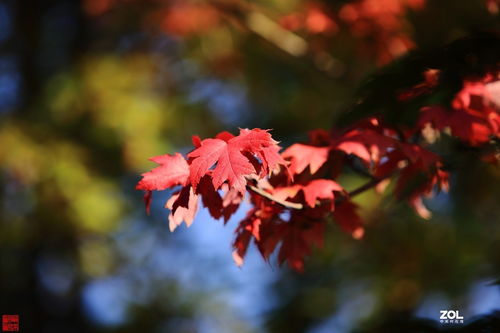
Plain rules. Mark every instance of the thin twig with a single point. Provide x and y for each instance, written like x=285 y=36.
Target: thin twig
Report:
x=294 y=205
x=267 y=195
x=372 y=183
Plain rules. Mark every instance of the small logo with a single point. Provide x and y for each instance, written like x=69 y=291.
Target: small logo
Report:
x=10 y=323
x=451 y=317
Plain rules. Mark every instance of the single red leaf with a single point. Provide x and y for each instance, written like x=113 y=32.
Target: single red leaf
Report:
x=230 y=202
x=471 y=127
x=368 y=144
x=320 y=189
x=228 y=156
x=247 y=229
x=346 y=216
x=210 y=197
x=298 y=239
x=286 y=192
x=302 y=156
x=271 y=158
x=271 y=233
x=173 y=170
x=183 y=207
x=355 y=148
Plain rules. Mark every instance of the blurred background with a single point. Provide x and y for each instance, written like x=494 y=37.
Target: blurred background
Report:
x=90 y=89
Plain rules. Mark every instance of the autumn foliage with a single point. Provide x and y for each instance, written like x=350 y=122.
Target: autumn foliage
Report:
x=295 y=194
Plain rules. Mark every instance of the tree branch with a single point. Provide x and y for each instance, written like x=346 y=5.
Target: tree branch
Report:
x=284 y=203
x=294 y=205
x=372 y=183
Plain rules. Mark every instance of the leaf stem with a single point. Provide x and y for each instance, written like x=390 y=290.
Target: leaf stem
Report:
x=284 y=203
x=372 y=183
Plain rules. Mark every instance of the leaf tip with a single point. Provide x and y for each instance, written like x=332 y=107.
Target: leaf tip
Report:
x=237 y=258
x=358 y=233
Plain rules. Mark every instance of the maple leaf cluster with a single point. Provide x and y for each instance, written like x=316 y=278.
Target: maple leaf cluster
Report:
x=294 y=194
x=224 y=163
x=472 y=116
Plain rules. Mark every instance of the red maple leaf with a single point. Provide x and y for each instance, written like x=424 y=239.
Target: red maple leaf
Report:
x=313 y=190
x=347 y=217
x=210 y=197
x=301 y=156
x=369 y=144
x=247 y=229
x=298 y=239
x=271 y=158
x=320 y=189
x=230 y=202
x=228 y=155
x=173 y=170
x=183 y=207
